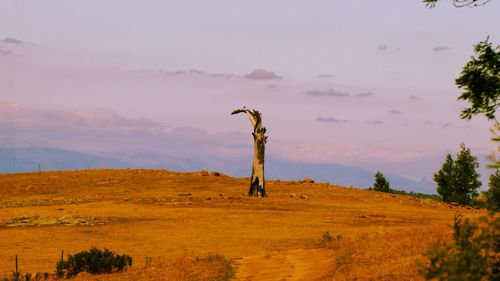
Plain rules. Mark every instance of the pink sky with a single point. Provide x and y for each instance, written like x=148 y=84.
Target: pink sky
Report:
x=364 y=84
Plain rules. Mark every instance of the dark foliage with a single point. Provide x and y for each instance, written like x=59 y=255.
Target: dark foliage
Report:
x=417 y=194
x=480 y=81
x=493 y=193
x=457 y=180
x=225 y=272
x=381 y=184
x=474 y=255
x=458 y=3
x=94 y=261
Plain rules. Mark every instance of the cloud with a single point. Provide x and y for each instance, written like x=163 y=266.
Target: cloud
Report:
x=441 y=49
x=325 y=75
x=11 y=40
x=446 y=125
x=364 y=95
x=5 y=52
x=84 y=120
x=395 y=112
x=414 y=97
x=374 y=122
x=272 y=86
x=330 y=120
x=382 y=47
x=106 y=131
x=258 y=74
x=188 y=72
x=261 y=74
x=325 y=93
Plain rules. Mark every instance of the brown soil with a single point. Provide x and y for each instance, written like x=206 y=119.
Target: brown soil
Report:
x=161 y=215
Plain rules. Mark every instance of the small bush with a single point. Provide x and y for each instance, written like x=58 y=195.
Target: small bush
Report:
x=473 y=255
x=94 y=261
x=330 y=241
x=327 y=236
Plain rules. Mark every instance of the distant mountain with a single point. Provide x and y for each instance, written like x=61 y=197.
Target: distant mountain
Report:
x=34 y=158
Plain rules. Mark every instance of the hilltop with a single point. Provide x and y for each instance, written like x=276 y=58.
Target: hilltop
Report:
x=160 y=215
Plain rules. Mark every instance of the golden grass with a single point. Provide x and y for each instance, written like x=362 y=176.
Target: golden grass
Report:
x=164 y=215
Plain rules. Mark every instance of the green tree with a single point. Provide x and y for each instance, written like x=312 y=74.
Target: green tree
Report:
x=444 y=179
x=381 y=184
x=494 y=191
x=458 y=180
x=480 y=81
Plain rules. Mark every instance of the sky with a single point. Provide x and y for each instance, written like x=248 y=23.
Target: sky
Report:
x=363 y=83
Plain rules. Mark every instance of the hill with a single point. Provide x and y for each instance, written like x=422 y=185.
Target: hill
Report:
x=160 y=216
x=28 y=160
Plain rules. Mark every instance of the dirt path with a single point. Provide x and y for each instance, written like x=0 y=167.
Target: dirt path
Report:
x=293 y=265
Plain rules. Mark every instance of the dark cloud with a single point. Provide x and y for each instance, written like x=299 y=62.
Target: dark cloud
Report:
x=374 y=122
x=261 y=74
x=395 y=112
x=258 y=74
x=325 y=75
x=11 y=40
x=446 y=125
x=364 y=95
x=325 y=93
x=441 y=49
x=414 y=98
x=330 y=120
x=382 y=47
x=192 y=72
x=5 y=52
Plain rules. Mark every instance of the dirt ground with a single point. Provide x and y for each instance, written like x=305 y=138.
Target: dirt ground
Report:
x=157 y=215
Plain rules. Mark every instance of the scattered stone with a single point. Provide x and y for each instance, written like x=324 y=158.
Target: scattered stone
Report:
x=292 y=195
x=215 y=173
x=46 y=221
x=185 y=194
x=303 y=196
x=203 y=173
x=307 y=180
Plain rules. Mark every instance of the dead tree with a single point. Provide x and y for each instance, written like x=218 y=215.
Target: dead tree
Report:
x=257 y=183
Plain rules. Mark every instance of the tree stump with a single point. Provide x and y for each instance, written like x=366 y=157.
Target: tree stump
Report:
x=257 y=182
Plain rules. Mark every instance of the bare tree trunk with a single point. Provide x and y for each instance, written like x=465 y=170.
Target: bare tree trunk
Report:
x=257 y=182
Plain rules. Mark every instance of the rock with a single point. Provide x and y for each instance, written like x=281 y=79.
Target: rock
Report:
x=307 y=180
x=303 y=196
x=292 y=195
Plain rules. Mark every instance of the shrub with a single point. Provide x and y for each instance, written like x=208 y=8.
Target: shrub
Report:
x=473 y=255
x=94 y=261
x=329 y=240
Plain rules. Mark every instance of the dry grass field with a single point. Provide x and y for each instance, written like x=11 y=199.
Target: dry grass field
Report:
x=165 y=219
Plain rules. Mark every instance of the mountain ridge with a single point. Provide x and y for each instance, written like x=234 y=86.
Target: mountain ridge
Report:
x=31 y=159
